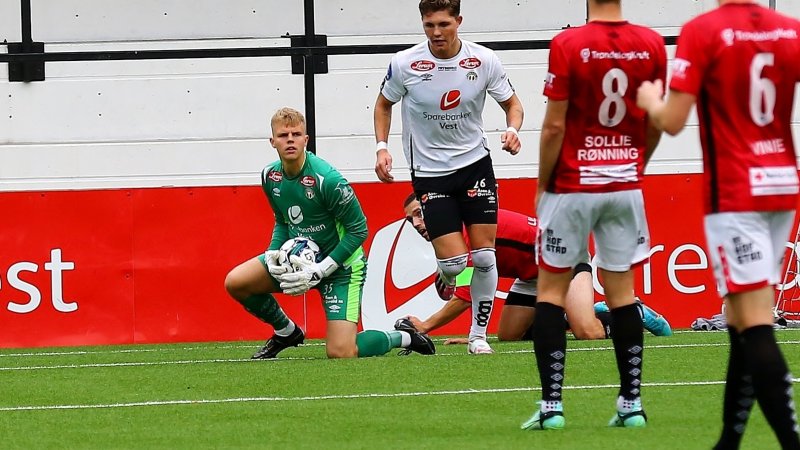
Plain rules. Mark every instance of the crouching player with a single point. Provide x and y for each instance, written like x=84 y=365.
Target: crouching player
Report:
x=516 y=237
x=310 y=198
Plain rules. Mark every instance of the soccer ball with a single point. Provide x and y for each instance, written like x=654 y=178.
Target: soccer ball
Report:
x=303 y=247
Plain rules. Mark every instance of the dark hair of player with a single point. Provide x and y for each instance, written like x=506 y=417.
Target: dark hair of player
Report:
x=432 y=6
x=411 y=197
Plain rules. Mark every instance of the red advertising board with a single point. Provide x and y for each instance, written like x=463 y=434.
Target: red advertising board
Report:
x=148 y=265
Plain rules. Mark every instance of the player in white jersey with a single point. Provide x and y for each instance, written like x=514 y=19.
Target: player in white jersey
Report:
x=443 y=83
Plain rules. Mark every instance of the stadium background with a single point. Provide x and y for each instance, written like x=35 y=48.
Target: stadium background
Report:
x=128 y=188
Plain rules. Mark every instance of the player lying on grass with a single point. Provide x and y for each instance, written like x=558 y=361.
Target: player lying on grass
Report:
x=310 y=198
x=516 y=234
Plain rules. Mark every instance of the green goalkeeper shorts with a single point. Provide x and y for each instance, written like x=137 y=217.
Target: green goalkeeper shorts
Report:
x=341 y=292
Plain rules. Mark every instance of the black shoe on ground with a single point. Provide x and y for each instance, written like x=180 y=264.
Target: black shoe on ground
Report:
x=405 y=325
x=276 y=344
x=420 y=343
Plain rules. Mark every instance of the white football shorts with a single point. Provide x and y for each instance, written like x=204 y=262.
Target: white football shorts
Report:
x=617 y=220
x=747 y=248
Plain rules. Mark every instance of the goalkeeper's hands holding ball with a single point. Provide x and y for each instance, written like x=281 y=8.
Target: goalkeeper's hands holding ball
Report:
x=274 y=266
x=307 y=274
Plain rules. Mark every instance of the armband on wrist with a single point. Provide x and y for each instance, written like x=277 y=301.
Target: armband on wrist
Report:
x=328 y=266
x=512 y=130
x=382 y=145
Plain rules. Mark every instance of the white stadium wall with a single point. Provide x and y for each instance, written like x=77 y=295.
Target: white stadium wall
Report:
x=109 y=152
x=203 y=122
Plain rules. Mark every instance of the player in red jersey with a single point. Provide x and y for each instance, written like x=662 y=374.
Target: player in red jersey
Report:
x=515 y=246
x=595 y=143
x=739 y=63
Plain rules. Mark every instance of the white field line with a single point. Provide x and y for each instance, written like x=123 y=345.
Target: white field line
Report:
x=341 y=397
x=170 y=349
x=207 y=361
x=247 y=360
x=151 y=363
x=165 y=349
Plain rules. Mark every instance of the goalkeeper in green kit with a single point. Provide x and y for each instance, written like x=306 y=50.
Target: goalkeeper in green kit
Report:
x=311 y=199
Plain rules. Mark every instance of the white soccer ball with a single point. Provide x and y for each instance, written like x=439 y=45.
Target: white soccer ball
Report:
x=303 y=247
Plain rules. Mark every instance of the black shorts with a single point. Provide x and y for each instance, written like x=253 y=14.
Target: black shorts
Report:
x=466 y=197
x=581 y=267
x=519 y=299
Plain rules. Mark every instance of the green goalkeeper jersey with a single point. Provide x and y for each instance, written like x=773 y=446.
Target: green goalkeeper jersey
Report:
x=319 y=204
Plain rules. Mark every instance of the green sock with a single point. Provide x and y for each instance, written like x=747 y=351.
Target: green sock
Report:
x=376 y=343
x=395 y=338
x=266 y=308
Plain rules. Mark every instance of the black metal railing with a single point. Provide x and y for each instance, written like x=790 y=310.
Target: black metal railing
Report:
x=27 y=59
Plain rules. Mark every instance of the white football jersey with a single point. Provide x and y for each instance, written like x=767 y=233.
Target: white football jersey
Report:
x=443 y=103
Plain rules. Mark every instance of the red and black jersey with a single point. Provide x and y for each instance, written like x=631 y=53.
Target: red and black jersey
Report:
x=742 y=61
x=515 y=245
x=597 y=69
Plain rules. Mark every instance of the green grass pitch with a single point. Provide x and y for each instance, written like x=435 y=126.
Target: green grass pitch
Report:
x=212 y=396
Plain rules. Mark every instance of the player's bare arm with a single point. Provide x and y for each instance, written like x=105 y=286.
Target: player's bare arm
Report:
x=382 y=122
x=514 y=116
x=669 y=115
x=452 y=309
x=553 y=129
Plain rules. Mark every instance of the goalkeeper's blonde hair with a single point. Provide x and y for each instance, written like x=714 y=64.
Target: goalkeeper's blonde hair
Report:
x=287 y=116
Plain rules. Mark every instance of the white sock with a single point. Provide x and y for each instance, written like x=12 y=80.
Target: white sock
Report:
x=482 y=288
x=626 y=406
x=448 y=280
x=287 y=330
x=449 y=268
x=405 y=339
x=551 y=405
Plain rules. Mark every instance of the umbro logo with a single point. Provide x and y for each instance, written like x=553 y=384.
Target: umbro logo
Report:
x=450 y=100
